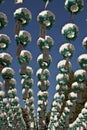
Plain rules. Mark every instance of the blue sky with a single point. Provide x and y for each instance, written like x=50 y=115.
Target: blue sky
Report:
x=62 y=17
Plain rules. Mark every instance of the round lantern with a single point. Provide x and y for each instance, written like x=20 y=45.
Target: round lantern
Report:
x=7 y=72
x=74 y=6
x=72 y=96
x=4 y=41
x=80 y=75
x=76 y=87
x=5 y=59
x=27 y=83
x=61 y=88
x=23 y=15
x=12 y=83
x=23 y=37
x=46 y=18
x=64 y=66
x=14 y=101
x=62 y=79
x=45 y=43
x=43 y=64
x=30 y=93
x=66 y=50
x=3 y=20
x=69 y=104
x=46 y=85
x=70 y=31
x=82 y=59
x=84 y=42
x=42 y=95
x=25 y=56
x=43 y=74
x=12 y=93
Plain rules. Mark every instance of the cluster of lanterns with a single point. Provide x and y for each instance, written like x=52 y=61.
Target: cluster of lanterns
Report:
x=12 y=116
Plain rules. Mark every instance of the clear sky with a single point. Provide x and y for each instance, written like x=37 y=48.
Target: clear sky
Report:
x=62 y=17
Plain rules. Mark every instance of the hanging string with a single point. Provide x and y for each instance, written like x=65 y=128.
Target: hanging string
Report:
x=72 y=17
x=46 y=4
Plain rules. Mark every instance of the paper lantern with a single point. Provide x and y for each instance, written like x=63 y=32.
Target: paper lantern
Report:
x=42 y=63
x=76 y=87
x=44 y=85
x=46 y=18
x=62 y=79
x=72 y=96
x=70 y=31
x=66 y=50
x=4 y=41
x=23 y=15
x=25 y=57
x=45 y=43
x=7 y=72
x=5 y=60
x=82 y=59
x=23 y=37
x=64 y=66
x=27 y=83
x=74 y=6
x=80 y=75
x=12 y=83
x=12 y=93
x=43 y=74
x=3 y=20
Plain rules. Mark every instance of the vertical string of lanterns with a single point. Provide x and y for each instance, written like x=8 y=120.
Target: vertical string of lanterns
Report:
x=23 y=38
x=46 y=19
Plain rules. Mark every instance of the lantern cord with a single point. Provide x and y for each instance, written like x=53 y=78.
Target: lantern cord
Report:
x=72 y=17
x=46 y=4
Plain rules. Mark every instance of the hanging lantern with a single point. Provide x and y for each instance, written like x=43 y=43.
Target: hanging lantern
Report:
x=43 y=64
x=27 y=83
x=82 y=59
x=58 y=97
x=4 y=41
x=42 y=95
x=69 y=104
x=66 y=50
x=45 y=43
x=64 y=66
x=7 y=72
x=46 y=18
x=43 y=74
x=62 y=79
x=22 y=39
x=72 y=96
x=70 y=31
x=74 y=6
x=30 y=93
x=77 y=87
x=12 y=83
x=43 y=86
x=12 y=93
x=84 y=42
x=3 y=20
x=61 y=88
x=22 y=17
x=24 y=58
x=14 y=101
x=80 y=75
x=5 y=60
